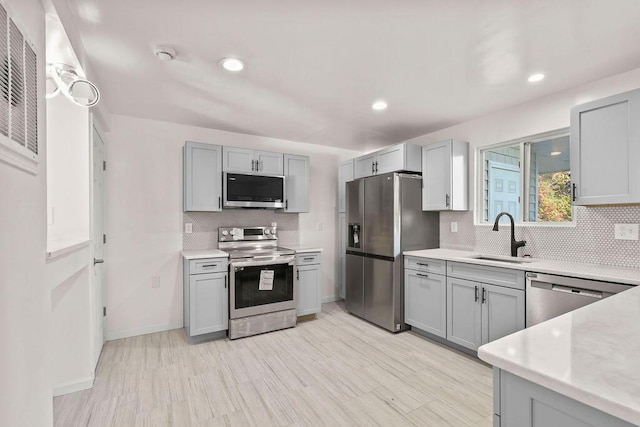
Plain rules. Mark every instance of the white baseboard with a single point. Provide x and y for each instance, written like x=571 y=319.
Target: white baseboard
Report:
x=127 y=333
x=72 y=387
x=331 y=298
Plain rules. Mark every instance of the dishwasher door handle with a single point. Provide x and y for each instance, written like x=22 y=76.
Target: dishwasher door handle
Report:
x=577 y=291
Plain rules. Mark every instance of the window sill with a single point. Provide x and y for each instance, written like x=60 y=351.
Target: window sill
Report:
x=60 y=248
x=14 y=154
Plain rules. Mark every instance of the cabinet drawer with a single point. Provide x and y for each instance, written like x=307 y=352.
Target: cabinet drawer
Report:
x=308 y=259
x=208 y=265
x=429 y=265
x=485 y=274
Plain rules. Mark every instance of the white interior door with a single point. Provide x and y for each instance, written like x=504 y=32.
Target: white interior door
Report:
x=504 y=190
x=98 y=240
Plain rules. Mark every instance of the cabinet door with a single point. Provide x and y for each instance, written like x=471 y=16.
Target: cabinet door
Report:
x=605 y=150
x=436 y=176
x=391 y=159
x=502 y=312
x=209 y=303
x=345 y=174
x=202 y=177
x=308 y=300
x=425 y=302
x=269 y=163
x=237 y=160
x=296 y=183
x=342 y=242
x=464 y=313
x=364 y=166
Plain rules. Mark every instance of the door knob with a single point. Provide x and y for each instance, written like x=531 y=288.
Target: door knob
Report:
x=98 y=261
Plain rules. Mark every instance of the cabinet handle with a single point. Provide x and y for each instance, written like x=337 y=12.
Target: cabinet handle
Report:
x=425 y=265
x=209 y=265
x=447 y=200
x=225 y=282
x=308 y=259
x=573 y=191
x=476 y=293
x=298 y=274
x=286 y=204
x=422 y=275
x=373 y=167
x=484 y=295
x=376 y=167
x=219 y=202
x=253 y=163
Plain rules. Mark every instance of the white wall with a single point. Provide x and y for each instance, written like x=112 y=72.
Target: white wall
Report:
x=67 y=170
x=25 y=383
x=591 y=240
x=145 y=218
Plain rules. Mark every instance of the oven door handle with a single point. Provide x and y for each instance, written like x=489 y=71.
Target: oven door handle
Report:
x=270 y=261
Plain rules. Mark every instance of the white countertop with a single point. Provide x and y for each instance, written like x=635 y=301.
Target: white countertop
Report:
x=630 y=276
x=204 y=253
x=301 y=249
x=591 y=355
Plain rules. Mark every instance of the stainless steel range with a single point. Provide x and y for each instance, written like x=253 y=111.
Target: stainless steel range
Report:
x=262 y=281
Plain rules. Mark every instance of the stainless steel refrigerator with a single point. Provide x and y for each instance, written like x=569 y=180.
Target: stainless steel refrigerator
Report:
x=384 y=218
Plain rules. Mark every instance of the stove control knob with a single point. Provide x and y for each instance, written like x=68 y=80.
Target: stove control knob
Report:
x=233 y=232
x=267 y=231
x=225 y=232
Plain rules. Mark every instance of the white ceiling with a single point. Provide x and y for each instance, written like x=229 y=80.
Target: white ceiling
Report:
x=315 y=67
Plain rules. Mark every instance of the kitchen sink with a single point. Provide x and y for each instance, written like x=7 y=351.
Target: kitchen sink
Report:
x=497 y=258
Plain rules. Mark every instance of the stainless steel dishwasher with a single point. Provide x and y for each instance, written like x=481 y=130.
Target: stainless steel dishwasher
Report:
x=549 y=295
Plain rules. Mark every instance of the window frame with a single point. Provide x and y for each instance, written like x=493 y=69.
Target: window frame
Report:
x=525 y=173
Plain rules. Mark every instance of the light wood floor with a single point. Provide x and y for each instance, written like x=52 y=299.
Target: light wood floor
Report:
x=333 y=370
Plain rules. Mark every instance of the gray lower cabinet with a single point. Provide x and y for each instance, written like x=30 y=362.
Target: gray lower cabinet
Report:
x=206 y=296
x=309 y=284
x=425 y=298
x=481 y=312
x=521 y=403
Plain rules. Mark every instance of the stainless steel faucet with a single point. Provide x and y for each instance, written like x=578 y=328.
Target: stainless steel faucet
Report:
x=514 y=244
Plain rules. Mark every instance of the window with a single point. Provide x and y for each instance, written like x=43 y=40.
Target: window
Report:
x=529 y=178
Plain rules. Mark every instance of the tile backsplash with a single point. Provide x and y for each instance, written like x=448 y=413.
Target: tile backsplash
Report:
x=590 y=241
x=205 y=226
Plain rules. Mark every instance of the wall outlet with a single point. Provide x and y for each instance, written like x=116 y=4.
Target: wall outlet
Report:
x=626 y=231
x=188 y=227
x=454 y=226
x=155 y=282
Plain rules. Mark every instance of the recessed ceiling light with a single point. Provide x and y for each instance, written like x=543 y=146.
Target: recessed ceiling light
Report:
x=535 y=77
x=165 y=53
x=232 y=64
x=556 y=153
x=379 y=105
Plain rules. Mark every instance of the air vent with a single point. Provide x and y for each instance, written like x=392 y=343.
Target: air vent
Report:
x=18 y=90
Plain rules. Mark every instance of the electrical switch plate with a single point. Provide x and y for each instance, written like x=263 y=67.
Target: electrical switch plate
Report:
x=155 y=282
x=626 y=231
x=454 y=226
x=188 y=227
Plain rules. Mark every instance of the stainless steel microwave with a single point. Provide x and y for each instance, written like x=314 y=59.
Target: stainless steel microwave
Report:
x=252 y=191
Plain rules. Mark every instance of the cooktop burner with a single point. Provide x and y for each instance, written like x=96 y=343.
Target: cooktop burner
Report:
x=251 y=242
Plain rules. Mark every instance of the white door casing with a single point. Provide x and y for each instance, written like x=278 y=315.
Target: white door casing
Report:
x=98 y=208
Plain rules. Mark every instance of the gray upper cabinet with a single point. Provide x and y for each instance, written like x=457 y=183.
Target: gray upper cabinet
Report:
x=296 y=173
x=345 y=174
x=202 y=181
x=605 y=150
x=400 y=157
x=445 y=176
x=243 y=160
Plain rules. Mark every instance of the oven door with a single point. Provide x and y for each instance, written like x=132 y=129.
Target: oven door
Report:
x=248 y=296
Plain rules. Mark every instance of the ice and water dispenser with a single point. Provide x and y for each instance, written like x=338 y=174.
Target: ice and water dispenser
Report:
x=354 y=236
